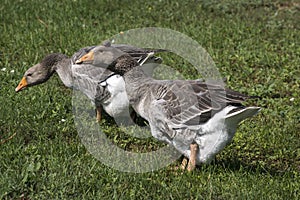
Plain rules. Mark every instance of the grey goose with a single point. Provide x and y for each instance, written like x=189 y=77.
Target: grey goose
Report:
x=101 y=86
x=197 y=118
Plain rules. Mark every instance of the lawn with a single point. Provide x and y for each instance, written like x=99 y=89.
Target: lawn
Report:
x=255 y=45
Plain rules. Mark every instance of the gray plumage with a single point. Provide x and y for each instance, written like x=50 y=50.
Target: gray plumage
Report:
x=87 y=78
x=181 y=112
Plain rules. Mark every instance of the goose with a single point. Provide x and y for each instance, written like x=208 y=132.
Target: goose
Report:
x=100 y=85
x=197 y=118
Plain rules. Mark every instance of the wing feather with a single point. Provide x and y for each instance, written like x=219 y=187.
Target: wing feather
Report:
x=191 y=103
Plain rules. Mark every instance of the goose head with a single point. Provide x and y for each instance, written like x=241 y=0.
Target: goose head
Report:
x=100 y=56
x=41 y=72
x=110 y=58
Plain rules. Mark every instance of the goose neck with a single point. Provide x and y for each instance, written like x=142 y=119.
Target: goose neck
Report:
x=63 y=69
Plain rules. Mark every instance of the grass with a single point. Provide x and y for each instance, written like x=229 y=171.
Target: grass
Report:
x=255 y=45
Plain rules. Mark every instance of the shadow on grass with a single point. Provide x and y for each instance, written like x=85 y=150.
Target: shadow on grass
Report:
x=236 y=165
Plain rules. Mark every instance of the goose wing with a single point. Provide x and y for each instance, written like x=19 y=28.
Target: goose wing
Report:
x=139 y=54
x=186 y=104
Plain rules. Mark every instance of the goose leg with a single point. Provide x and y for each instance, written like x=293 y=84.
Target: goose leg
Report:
x=98 y=113
x=192 y=162
x=184 y=163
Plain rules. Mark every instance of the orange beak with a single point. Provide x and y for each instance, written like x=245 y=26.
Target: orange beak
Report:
x=22 y=84
x=87 y=57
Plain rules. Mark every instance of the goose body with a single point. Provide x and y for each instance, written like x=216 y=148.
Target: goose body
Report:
x=115 y=86
x=197 y=118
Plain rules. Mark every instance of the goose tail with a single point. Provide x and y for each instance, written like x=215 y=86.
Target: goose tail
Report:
x=236 y=115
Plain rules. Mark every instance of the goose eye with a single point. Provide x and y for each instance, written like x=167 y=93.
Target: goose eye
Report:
x=30 y=74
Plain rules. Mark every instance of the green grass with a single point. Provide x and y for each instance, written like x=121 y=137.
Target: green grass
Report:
x=255 y=45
